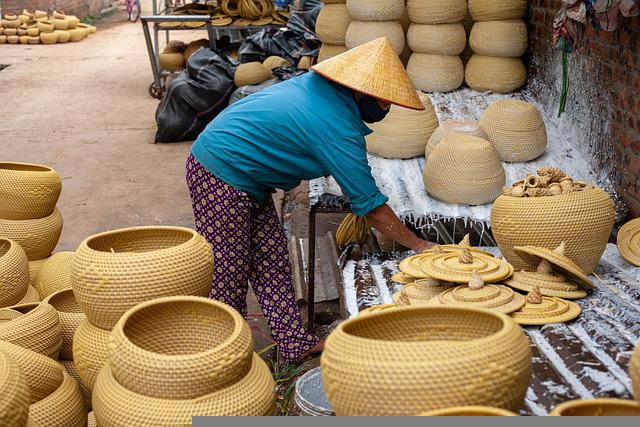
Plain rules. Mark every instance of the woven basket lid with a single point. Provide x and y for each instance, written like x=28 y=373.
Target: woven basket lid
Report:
x=403 y=278
x=470 y=411
x=540 y=310
x=492 y=297
x=460 y=266
x=550 y=284
x=597 y=407
x=629 y=241
x=373 y=69
x=377 y=308
x=420 y=292
x=534 y=256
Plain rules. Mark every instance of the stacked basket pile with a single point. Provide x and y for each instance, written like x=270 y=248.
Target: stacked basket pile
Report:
x=40 y=28
x=372 y=19
x=498 y=40
x=331 y=27
x=436 y=38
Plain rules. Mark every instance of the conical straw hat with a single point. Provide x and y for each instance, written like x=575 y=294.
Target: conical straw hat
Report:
x=459 y=267
x=373 y=69
x=540 y=310
x=534 y=256
x=420 y=292
x=551 y=285
x=629 y=241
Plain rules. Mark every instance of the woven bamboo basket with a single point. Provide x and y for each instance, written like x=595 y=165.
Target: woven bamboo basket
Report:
x=375 y=10
x=28 y=191
x=404 y=132
x=306 y=62
x=31 y=297
x=38 y=329
x=361 y=32
x=435 y=73
x=597 y=408
x=500 y=75
x=516 y=130
x=436 y=11
x=10 y=23
x=64 y=407
x=71 y=316
x=471 y=411
x=70 y=367
x=7 y=314
x=180 y=348
x=34 y=40
x=115 y=270
x=274 y=62
x=495 y=10
x=60 y=24
x=582 y=219
x=14 y=405
x=464 y=169
x=115 y=406
x=24 y=39
x=55 y=274
x=171 y=61
x=14 y=272
x=91 y=420
x=76 y=35
x=634 y=371
x=42 y=375
x=73 y=21
x=40 y=14
x=506 y=38
x=470 y=127
x=63 y=36
x=58 y=15
x=34 y=32
x=3 y=39
x=45 y=27
x=251 y=73
x=329 y=51
x=34 y=270
x=38 y=237
x=416 y=353
x=90 y=350
x=332 y=24
x=193 y=47
x=441 y=39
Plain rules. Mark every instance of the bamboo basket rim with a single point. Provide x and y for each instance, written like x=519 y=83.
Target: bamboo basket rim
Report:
x=87 y=246
x=460 y=411
x=403 y=278
x=520 y=283
x=578 y=403
x=35 y=167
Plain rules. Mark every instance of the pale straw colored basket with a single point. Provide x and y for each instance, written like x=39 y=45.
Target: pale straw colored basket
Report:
x=7 y=314
x=14 y=405
x=597 y=408
x=375 y=10
x=417 y=359
x=490 y=73
x=505 y=38
x=361 y=32
x=71 y=316
x=251 y=73
x=548 y=310
x=470 y=127
x=38 y=329
x=471 y=411
x=63 y=407
x=550 y=284
x=628 y=241
x=31 y=297
x=436 y=11
x=329 y=51
x=494 y=10
x=332 y=24
x=70 y=367
x=55 y=274
x=91 y=420
x=90 y=350
x=34 y=270
x=38 y=237
x=14 y=272
x=441 y=39
x=435 y=73
x=115 y=270
x=634 y=371
x=28 y=191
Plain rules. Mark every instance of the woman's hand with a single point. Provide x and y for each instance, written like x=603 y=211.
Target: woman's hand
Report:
x=423 y=246
x=387 y=222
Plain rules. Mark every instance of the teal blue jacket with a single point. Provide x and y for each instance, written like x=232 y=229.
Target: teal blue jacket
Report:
x=301 y=129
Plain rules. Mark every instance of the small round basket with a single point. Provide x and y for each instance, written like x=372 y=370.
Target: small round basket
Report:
x=496 y=10
x=251 y=73
x=505 y=38
x=628 y=241
x=361 y=32
x=442 y=39
x=171 y=61
x=436 y=11
x=470 y=411
x=90 y=350
x=435 y=73
x=38 y=329
x=71 y=316
x=14 y=405
x=332 y=24
x=490 y=73
x=14 y=272
x=597 y=408
x=28 y=191
x=63 y=407
x=38 y=237
x=55 y=274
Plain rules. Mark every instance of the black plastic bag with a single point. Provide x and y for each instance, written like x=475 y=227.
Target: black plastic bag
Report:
x=288 y=44
x=195 y=97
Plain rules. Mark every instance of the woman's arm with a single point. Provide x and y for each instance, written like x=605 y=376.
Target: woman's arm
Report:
x=387 y=222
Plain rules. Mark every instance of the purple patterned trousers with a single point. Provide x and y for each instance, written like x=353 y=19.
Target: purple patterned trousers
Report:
x=249 y=246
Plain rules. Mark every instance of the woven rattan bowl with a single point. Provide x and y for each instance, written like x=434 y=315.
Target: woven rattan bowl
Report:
x=375 y=10
x=71 y=316
x=435 y=73
x=34 y=271
x=55 y=274
x=332 y=24
x=442 y=39
x=38 y=237
x=418 y=359
x=251 y=73
x=38 y=329
x=361 y=32
x=504 y=38
x=28 y=191
x=90 y=350
x=470 y=127
x=14 y=272
x=14 y=405
x=582 y=219
x=634 y=371
x=180 y=348
x=30 y=297
x=597 y=408
x=70 y=367
x=436 y=11
x=116 y=270
x=63 y=407
x=471 y=411
x=490 y=73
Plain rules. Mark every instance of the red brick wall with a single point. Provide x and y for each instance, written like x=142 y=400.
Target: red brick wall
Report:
x=80 y=8
x=603 y=106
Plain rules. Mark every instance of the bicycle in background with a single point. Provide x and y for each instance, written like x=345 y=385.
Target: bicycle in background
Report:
x=133 y=10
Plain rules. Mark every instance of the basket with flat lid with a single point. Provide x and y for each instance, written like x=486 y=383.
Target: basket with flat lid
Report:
x=557 y=260
x=461 y=266
x=540 y=310
x=628 y=241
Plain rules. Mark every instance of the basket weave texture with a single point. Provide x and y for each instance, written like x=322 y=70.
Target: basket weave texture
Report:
x=71 y=316
x=361 y=32
x=490 y=73
x=28 y=191
x=180 y=348
x=436 y=11
x=14 y=405
x=582 y=219
x=90 y=350
x=507 y=38
x=418 y=359
x=550 y=284
x=70 y=367
x=63 y=407
x=38 y=237
x=55 y=274
x=441 y=39
x=31 y=297
x=91 y=420
x=494 y=10
x=470 y=411
x=38 y=329
x=251 y=73
x=329 y=51
x=146 y=263
x=14 y=272
x=34 y=271
x=491 y=297
x=628 y=241
x=634 y=371
x=375 y=10
x=332 y=24
x=549 y=310
x=470 y=127
x=435 y=73
x=597 y=407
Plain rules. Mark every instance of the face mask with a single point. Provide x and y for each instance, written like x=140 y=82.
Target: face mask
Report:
x=370 y=110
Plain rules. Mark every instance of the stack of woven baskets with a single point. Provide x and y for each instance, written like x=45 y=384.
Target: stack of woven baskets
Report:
x=331 y=27
x=373 y=19
x=498 y=40
x=436 y=38
x=40 y=28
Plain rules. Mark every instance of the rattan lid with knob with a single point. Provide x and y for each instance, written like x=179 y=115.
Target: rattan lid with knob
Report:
x=550 y=284
x=470 y=127
x=628 y=241
x=461 y=267
x=546 y=260
x=420 y=292
x=540 y=310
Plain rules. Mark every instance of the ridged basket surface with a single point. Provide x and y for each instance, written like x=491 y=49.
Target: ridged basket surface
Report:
x=180 y=348
x=495 y=10
x=597 y=408
x=375 y=10
x=361 y=32
x=332 y=24
x=71 y=316
x=441 y=39
x=14 y=272
x=38 y=237
x=14 y=405
x=634 y=371
x=7 y=314
x=435 y=73
x=55 y=274
x=329 y=51
x=507 y=39
x=70 y=367
x=470 y=411
x=499 y=75
x=31 y=297
x=582 y=219
x=115 y=406
x=116 y=270
x=38 y=329
x=90 y=350
x=64 y=407
x=436 y=11
x=34 y=270
x=28 y=191
x=470 y=127
x=418 y=359
x=251 y=73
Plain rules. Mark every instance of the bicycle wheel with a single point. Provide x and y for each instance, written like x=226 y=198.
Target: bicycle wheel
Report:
x=134 y=10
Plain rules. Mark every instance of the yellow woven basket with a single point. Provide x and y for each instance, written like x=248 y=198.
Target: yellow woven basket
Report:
x=28 y=191
x=7 y=314
x=435 y=73
x=436 y=11
x=489 y=73
x=441 y=39
x=55 y=274
x=274 y=62
x=399 y=362
x=14 y=405
x=38 y=237
x=91 y=420
x=506 y=38
x=494 y=10
x=115 y=270
x=31 y=297
x=71 y=316
x=634 y=371
x=582 y=219
x=76 y=34
x=332 y=24
x=375 y=10
x=329 y=51
x=90 y=349
x=115 y=406
x=180 y=348
x=361 y=32
x=597 y=408
x=34 y=271
x=70 y=367
x=60 y=24
x=63 y=36
x=73 y=21
x=64 y=407
x=448 y=126
x=38 y=329
x=470 y=411
x=251 y=73
x=171 y=61
x=14 y=272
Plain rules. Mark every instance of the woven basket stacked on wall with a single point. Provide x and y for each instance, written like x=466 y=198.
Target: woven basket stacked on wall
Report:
x=449 y=126
x=603 y=407
x=331 y=27
x=398 y=362
x=436 y=38
x=372 y=19
x=498 y=39
x=27 y=28
x=177 y=357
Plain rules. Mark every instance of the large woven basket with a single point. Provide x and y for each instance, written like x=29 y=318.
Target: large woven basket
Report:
x=332 y=24
x=180 y=348
x=38 y=329
x=435 y=73
x=506 y=38
x=251 y=73
x=64 y=407
x=494 y=10
x=448 y=126
x=470 y=411
x=329 y=51
x=14 y=272
x=436 y=11
x=404 y=132
x=90 y=350
x=375 y=10
x=489 y=73
x=464 y=169
x=70 y=367
x=597 y=408
x=115 y=406
x=55 y=274
x=38 y=237
x=116 y=270
x=582 y=219
x=418 y=359
x=14 y=404
x=171 y=60
x=361 y=32
x=71 y=316
x=442 y=39
x=34 y=271
x=30 y=297
x=634 y=371
x=28 y=191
